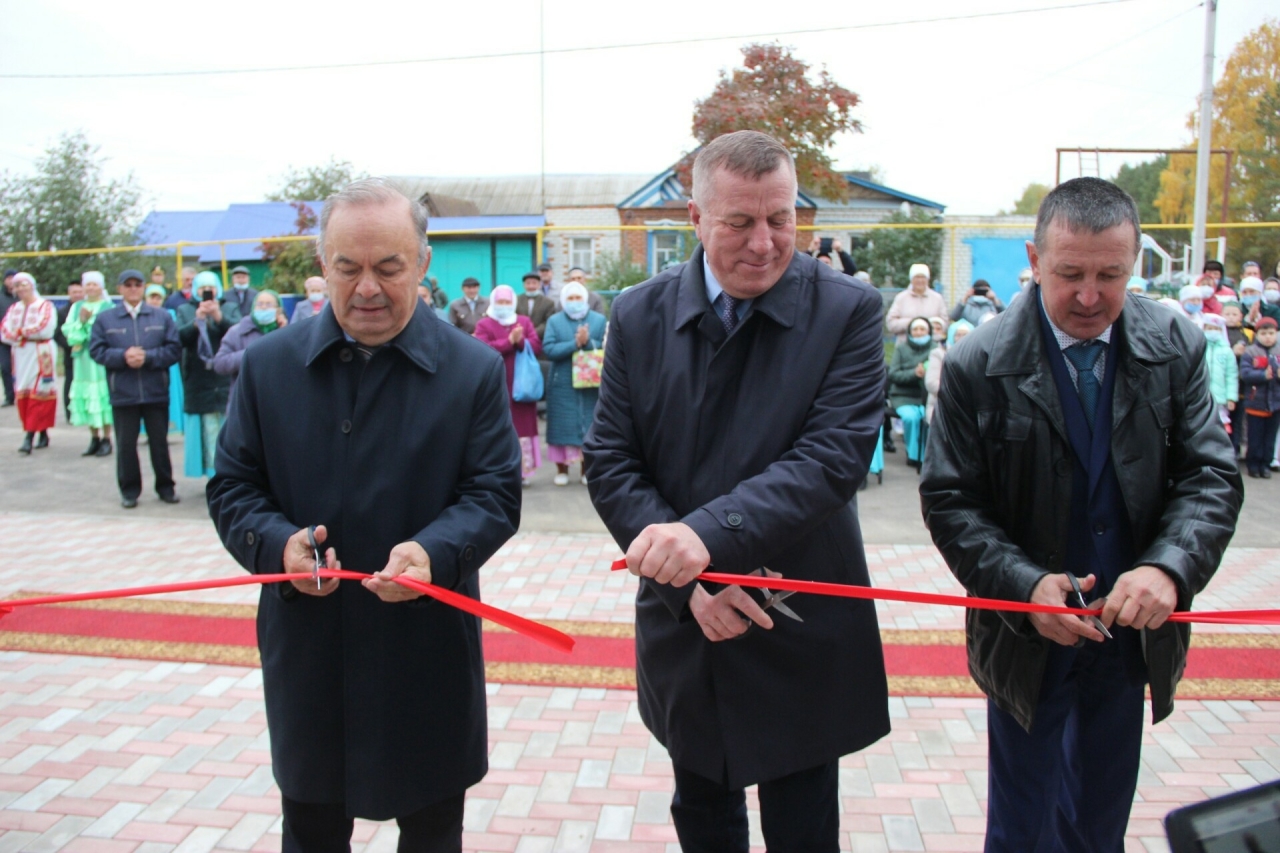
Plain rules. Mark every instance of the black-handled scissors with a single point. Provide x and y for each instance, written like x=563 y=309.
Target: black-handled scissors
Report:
x=315 y=552
x=1080 y=602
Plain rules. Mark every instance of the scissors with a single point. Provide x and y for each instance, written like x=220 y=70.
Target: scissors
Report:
x=1079 y=596
x=775 y=599
x=315 y=552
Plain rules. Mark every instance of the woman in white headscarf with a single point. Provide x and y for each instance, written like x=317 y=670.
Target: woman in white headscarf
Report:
x=508 y=332
x=569 y=409
x=28 y=328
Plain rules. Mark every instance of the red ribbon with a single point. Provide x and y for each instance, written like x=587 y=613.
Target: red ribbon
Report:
x=839 y=590
x=533 y=630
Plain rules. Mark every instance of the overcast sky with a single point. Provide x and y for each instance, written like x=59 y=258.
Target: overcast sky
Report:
x=964 y=112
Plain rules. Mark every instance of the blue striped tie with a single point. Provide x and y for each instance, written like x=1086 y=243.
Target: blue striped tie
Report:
x=1084 y=356
x=728 y=312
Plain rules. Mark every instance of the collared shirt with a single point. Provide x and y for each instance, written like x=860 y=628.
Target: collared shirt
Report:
x=133 y=309
x=1064 y=341
x=714 y=290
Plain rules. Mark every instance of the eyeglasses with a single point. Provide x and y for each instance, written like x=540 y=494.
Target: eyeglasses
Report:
x=132 y=283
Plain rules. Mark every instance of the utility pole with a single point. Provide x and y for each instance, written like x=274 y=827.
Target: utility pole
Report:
x=542 y=106
x=1198 y=255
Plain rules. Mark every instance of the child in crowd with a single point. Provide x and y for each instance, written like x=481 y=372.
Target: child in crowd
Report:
x=1239 y=336
x=1223 y=368
x=1260 y=374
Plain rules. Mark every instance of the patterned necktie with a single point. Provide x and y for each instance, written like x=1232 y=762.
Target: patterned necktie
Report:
x=1084 y=356
x=728 y=312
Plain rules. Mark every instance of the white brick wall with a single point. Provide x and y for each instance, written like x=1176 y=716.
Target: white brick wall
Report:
x=558 y=241
x=957 y=279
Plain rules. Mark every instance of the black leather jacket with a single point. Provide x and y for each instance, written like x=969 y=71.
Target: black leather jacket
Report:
x=996 y=484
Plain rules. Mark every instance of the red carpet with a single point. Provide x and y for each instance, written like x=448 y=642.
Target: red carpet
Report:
x=1235 y=666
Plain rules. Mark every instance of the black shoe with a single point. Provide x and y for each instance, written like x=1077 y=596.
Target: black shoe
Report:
x=26 y=445
x=129 y=503
x=889 y=446
x=94 y=444
x=170 y=498
x=1254 y=474
x=104 y=449
x=6 y=404
x=43 y=441
x=1265 y=473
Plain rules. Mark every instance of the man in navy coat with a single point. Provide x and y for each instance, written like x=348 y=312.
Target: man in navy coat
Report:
x=390 y=431
x=741 y=399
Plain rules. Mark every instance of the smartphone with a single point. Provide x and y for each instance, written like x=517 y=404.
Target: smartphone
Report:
x=207 y=296
x=824 y=246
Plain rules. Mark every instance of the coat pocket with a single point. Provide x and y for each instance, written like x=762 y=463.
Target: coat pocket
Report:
x=1000 y=425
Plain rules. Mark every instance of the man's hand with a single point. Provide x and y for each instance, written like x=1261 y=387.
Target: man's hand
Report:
x=409 y=559
x=1142 y=598
x=135 y=357
x=720 y=615
x=298 y=558
x=668 y=553
x=1053 y=590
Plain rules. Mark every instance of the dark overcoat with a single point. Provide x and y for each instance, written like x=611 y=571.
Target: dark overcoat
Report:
x=380 y=706
x=204 y=390
x=758 y=441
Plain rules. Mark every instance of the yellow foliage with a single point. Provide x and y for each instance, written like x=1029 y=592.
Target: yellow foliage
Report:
x=1252 y=70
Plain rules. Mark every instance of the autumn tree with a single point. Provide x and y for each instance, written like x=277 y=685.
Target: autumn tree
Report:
x=1241 y=118
x=772 y=92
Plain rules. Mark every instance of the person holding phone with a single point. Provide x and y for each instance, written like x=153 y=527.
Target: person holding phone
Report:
x=202 y=324
x=828 y=250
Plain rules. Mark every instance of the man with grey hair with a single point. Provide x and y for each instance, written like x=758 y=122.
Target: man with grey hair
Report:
x=739 y=408
x=1075 y=458
x=375 y=697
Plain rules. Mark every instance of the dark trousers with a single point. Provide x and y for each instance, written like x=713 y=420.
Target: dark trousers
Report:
x=1262 y=441
x=1237 y=426
x=128 y=472
x=325 y=828
x=1068 y=784
x=6 y=368
x=70 y=367
x=800 y=812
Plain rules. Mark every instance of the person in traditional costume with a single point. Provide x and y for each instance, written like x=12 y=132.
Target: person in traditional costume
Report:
x=90 y=394
x=28 y=329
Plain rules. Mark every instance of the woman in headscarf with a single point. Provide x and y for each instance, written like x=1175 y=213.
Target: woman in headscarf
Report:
x=28 y=328
x=201 y=326
x=155 y=295
x=906 y=386
x=569 y=409
x=933 y=368
x=90 y=394
x=508 y=332
x=267 y=316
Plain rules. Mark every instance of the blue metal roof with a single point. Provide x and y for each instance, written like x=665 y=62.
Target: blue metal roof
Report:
x=261 y=219
x=881 y=188
x=665 y=187
x=170 y=226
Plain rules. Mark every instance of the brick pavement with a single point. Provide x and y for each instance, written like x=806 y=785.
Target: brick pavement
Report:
x=101 y=754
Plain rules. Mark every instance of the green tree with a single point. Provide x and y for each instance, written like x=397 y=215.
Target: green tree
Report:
x=1143 y=183
x=315 y=183
x=1029 y=203
x=68 y=202
x=773 y=93
x=292 y=262
x=616 y=271
x=888 y=253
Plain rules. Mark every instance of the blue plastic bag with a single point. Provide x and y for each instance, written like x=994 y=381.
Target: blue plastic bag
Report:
x=526 y=383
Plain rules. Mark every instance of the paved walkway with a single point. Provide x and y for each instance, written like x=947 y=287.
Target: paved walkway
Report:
x=101 y=754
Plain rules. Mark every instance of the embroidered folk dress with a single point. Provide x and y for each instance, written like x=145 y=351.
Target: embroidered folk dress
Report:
x=28 y=329
x=90 y=394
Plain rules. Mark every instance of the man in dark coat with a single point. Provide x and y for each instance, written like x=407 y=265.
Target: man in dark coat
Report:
x=375 y=696
x=466 y=310
x=75 y=292
x=534 y=305
x=740 y=403
x=237 y=300
x=1076 y=433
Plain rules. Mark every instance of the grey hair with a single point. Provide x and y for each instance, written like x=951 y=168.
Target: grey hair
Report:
x=1087 y=204
x=374 y=191
x=747 y=153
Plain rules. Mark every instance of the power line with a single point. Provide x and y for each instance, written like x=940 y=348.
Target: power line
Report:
x=133 y=75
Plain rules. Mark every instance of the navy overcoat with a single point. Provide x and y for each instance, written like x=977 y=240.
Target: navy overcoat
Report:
x=380 y=706
x=759 y=442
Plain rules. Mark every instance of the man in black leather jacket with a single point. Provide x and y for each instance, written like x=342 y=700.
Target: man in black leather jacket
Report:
x=1076 y=433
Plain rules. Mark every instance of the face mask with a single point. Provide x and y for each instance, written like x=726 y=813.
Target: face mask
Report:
x=315 y=298
x=980 y=301
x=1191 y=307
x=575 y=308
x=1205 y=291
x=1272 y=296
x=1250 y=300
x=503 y=312
x=264 y=316
x=920 y=340
x=239 y=286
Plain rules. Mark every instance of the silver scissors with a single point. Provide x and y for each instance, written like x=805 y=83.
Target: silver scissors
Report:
x=1079 y=596
x=315 y=552
x=775 y=599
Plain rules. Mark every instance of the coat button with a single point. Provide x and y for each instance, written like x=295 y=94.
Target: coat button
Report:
x=1099 y=529
x=734 y=519
x=346 y=427
x=1062 y=467
x=345 y=355
x=468 y=554
x=250 y=538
